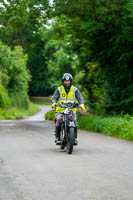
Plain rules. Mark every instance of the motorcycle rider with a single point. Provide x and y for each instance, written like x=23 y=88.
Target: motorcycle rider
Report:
x=66 y=92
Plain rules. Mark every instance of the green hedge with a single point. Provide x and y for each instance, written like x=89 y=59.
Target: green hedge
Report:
x=4 y=99
x=50 y=115
x=19 y=100
x=121 y=127
x=14 y=76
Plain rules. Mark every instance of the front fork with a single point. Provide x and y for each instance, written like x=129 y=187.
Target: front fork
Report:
x=68 y=124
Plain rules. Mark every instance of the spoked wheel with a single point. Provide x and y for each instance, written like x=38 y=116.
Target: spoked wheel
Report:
x=70 y=140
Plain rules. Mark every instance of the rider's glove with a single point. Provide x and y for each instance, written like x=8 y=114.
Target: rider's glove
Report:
x=82 y=107
x=54 y=105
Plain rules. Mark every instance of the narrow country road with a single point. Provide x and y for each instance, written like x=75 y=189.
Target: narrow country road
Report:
x=32 y=167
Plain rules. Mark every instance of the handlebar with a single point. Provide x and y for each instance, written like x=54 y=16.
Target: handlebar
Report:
x=66 y=106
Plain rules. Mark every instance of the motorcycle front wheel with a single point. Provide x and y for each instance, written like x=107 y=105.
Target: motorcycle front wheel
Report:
x=62 y=146
x=70 y=140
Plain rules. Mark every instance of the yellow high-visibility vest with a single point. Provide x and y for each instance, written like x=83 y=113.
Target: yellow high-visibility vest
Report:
x=64 y=97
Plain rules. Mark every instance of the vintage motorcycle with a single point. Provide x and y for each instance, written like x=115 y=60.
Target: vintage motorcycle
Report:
x=67 y=134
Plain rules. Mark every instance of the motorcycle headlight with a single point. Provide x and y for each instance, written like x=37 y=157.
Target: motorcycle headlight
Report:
x=69 y=104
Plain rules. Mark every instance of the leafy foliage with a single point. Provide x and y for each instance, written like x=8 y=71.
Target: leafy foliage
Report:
x=4 y=99
x=103 y=34
x=92 y=39
x=14 y=75
x=20 y=22
x=59 y=56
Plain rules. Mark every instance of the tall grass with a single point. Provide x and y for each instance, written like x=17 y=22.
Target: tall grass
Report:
x=19 y=100
x=16 y=113
x=121 y=127
x=50 y=115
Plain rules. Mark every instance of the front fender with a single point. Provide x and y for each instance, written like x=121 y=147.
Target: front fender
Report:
x=71 y=124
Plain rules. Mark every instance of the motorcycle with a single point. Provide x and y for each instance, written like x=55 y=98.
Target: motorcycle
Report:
x=67 y=133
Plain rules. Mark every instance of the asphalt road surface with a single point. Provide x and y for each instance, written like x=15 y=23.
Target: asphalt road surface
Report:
x=32 y=167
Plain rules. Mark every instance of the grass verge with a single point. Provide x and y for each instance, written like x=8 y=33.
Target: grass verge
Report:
x=15 y=113
x=120 y=127
x=50 y=115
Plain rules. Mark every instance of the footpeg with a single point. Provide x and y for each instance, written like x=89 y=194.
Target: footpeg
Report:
x=76 y=142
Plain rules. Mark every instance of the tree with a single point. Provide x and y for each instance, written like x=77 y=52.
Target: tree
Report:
x=100 y=29
x=59 y=56
x=14 y=77
x=20 y=23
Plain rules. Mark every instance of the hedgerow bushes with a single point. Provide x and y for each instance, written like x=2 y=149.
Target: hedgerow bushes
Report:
x=121 y=127
x=50 y=115
x=14 y=77
x=4 y=98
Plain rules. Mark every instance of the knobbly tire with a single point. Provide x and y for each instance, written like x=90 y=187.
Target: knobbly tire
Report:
x=70 y=140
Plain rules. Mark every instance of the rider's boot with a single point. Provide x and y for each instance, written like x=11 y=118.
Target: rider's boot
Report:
x=75 y=132
x=57 y=135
